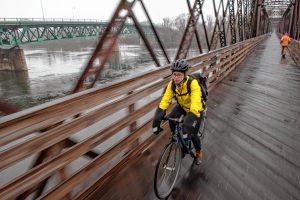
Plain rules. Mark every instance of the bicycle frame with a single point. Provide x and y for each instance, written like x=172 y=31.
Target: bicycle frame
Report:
x=178 y=137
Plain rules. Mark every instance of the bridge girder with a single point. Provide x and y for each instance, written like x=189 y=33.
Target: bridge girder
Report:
x=290 y=21
x=276 y=8
x=108 y=40
x=22 y=31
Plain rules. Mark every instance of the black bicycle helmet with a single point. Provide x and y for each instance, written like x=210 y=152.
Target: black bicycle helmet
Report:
x=180 y=65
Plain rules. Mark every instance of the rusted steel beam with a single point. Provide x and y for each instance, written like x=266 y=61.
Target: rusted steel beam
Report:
x=155 y=32
x=222 y=32
x=214 y=37
x=232 y=21
x=141 y=32
x=189 y=30
x=258 y=17
x=292 y=18
x=108 y=40
x=104 y=48
x=240 y=20
x=44 y=155
x=295 y=26
x=196 y=31
x=297 y=36
x=246 y=21
x=205 y=31
x=41 y=157
x=252 y=17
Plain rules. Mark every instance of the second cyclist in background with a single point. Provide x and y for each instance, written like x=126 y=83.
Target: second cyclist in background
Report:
x=189 y=104
x=284 y=41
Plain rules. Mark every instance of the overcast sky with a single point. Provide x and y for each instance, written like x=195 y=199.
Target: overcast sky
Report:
x=92 y=9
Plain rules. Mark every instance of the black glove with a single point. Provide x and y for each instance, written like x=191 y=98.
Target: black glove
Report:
x=191 y=123
x=158 y=117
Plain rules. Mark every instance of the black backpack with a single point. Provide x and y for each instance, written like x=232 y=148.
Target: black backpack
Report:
x=201 y=81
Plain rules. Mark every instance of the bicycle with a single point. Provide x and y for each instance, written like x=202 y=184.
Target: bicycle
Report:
x=283 y=52
x=169 y=163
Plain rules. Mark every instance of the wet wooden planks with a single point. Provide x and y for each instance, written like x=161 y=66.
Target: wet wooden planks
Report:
x=252 y=143
x=253 y=139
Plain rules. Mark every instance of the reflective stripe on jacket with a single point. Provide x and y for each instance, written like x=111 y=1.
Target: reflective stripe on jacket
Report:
x=285 y=40
x=189 y=102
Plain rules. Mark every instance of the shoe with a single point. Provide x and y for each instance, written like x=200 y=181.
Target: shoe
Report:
x=199 y=156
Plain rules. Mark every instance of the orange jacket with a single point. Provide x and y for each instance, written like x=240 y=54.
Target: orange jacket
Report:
x=285 y=40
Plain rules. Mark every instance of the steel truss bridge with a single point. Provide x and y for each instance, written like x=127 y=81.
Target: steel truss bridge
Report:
x=252 y=141
x=26 y=30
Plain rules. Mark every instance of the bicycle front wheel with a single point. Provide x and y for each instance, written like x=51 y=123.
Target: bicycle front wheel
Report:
x=167 y=170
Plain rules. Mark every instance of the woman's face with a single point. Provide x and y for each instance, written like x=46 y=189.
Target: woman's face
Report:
x=177 y=77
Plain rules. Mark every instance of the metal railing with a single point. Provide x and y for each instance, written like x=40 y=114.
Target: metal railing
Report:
x=16 y=31
x=50 y=20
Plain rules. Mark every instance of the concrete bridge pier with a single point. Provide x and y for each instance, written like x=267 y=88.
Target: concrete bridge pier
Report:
x=12 y=59
x=114 y=61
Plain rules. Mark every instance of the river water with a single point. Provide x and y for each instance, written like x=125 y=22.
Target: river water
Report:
x=54 y=68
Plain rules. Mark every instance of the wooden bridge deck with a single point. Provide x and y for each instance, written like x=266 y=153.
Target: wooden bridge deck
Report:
x=252 y=143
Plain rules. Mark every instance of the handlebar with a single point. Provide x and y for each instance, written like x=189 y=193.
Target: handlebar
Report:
x=177 y=120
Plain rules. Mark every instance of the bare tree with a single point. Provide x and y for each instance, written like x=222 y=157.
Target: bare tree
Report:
x=180 y=22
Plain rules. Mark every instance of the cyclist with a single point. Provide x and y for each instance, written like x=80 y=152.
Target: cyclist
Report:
x=189 y=105
x=284 y=41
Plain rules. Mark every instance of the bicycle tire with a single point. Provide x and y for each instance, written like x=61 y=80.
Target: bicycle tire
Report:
x=202 y=130
x=174 y=159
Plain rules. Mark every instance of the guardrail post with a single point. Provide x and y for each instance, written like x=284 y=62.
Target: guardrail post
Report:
x=132 y=126
x=222 y=65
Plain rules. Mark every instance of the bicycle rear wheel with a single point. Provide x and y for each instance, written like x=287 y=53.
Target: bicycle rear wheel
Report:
x=167 y=170
x=202 y=128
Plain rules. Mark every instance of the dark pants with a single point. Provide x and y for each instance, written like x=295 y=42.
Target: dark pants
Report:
x=283 y=49
x=191 y=124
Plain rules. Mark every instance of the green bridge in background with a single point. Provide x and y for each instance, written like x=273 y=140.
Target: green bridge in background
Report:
x=15 y=31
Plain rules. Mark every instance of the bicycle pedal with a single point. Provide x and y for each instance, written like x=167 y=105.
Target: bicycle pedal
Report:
x=169 y=168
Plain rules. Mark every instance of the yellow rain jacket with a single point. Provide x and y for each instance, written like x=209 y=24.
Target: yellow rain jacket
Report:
x=189 y=102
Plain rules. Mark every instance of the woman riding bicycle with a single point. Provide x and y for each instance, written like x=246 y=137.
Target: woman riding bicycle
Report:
x=188 y=104
x=284 y=41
